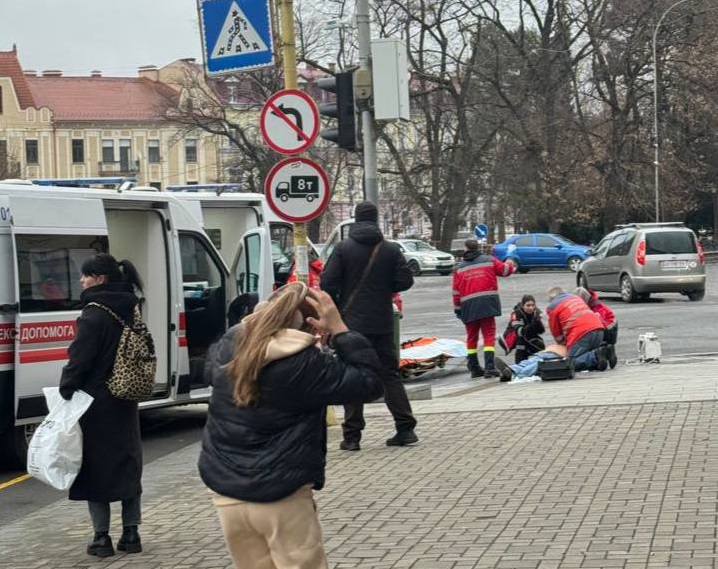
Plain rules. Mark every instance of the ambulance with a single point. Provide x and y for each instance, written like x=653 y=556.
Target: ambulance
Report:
x=195 y=259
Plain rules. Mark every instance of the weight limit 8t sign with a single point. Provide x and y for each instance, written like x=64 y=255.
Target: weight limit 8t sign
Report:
x=297 y=189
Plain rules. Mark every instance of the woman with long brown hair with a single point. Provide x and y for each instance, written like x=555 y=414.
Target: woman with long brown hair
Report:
x=265 y=442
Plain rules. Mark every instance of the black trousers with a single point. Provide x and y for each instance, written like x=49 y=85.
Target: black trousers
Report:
x=394 y=392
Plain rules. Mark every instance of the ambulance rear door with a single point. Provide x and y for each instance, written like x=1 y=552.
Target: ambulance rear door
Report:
x=52 y=237
x=252 y=264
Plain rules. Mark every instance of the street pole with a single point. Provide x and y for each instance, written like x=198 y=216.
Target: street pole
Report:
x=289 y=66
x=371 y=186
x=656 y=149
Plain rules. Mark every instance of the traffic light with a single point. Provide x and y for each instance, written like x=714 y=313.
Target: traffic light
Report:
x=342 y=109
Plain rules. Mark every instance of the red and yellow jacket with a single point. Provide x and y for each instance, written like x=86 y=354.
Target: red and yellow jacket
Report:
x=570 y=318
x=476 y=288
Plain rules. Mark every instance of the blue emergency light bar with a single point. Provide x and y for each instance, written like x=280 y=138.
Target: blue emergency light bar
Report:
x=83 y=182
x=219 y=188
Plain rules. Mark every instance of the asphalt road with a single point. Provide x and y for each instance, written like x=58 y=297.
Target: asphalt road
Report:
x=683 y=327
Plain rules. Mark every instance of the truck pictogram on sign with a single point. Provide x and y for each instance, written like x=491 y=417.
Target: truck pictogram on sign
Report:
x=299 y=187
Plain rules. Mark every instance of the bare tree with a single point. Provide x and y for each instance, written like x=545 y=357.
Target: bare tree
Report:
x=9 y=165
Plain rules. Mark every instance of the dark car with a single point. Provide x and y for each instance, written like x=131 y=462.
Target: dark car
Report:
x=535 y=250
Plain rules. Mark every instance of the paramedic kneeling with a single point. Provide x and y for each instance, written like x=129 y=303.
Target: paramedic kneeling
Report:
x=576 y=326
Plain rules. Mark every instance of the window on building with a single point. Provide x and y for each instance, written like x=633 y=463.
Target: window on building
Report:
x=190 y=150
x=125 y=155
x=31 y=154
x=0 y=100
x=3 y=153
x=78 y=151
x=108 y=151
x=153 y=151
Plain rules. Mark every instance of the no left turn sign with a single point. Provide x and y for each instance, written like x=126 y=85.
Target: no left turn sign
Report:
x=297 y=189
x=289 y=121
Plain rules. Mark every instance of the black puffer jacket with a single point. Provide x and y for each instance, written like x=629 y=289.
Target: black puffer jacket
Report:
x=111 y=445
x=266 y=452
x=371 y=310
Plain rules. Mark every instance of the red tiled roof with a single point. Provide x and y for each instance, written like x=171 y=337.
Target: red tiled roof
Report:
x=10 y=67
x=100 y=98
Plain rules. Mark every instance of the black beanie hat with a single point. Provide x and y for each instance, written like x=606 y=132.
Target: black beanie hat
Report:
x=366 y=211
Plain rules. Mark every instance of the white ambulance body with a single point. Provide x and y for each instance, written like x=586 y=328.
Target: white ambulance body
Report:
x=45 y=235
x=237 y=222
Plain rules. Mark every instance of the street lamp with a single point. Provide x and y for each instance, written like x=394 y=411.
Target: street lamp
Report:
x=655 y=102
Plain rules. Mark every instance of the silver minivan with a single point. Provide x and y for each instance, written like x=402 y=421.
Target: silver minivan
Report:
x=638 y=259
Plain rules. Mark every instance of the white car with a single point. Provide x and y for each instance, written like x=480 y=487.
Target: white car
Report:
x=423 y=257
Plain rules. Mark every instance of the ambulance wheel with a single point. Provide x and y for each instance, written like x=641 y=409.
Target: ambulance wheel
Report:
x=23 y=434
x=14 y=444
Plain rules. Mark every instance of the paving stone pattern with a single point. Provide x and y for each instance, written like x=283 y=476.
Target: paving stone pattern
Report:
x=631 y=486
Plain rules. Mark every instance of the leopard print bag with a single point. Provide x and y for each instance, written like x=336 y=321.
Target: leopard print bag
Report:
x=133 y=373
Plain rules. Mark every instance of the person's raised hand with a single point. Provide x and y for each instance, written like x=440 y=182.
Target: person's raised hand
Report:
x=329 y=320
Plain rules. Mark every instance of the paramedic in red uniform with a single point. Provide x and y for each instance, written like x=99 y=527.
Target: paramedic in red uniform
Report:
x=577 y=327
x=476 y=303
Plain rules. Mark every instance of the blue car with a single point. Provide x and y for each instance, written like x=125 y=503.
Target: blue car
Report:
x=534 y=250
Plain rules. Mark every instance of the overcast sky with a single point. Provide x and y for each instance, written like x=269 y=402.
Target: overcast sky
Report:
x=115 y=37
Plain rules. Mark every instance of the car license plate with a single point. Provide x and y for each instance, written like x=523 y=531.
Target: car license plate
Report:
x=673 y=265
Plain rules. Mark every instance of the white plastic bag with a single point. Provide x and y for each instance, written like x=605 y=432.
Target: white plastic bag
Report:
x=54 y=455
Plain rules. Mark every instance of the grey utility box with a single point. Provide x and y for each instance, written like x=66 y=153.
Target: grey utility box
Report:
x=391 y=79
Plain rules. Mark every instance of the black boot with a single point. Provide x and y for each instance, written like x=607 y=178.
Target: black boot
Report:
x=506 y=372
x=612 y=359
x=490 y=366
x=349 y=445
x=101 y=545
x=472 y=362
x=130 y=540
x=602 y=358
x=403 y=438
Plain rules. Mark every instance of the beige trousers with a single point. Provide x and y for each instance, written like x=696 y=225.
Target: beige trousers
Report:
x=278 y=535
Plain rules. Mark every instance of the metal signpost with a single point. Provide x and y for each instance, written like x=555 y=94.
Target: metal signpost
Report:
x=236 y=35
x=289 y=121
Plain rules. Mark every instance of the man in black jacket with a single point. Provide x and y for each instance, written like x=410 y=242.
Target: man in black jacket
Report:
x=361 y=275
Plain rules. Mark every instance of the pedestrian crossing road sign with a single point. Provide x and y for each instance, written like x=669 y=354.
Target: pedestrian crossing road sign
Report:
x=236 y=35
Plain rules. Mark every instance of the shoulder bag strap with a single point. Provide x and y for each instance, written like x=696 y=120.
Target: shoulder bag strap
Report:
x=364 y=274
x=106 y=309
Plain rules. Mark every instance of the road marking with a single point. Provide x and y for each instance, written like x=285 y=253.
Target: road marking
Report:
x=14 y=481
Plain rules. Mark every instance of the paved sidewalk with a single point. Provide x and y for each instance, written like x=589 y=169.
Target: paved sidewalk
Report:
x=614 y=469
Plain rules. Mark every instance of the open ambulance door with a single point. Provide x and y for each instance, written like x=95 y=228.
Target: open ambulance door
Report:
x=51 y=239
x=252 y=273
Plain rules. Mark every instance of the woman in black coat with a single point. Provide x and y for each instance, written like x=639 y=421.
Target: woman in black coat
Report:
x=265 y=443
x=524 y=330
x=111 y=447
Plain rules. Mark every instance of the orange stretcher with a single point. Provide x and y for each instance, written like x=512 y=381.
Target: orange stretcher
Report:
x=424 y=354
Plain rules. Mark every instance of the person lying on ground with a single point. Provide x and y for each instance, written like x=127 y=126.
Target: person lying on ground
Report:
x=529 y=366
